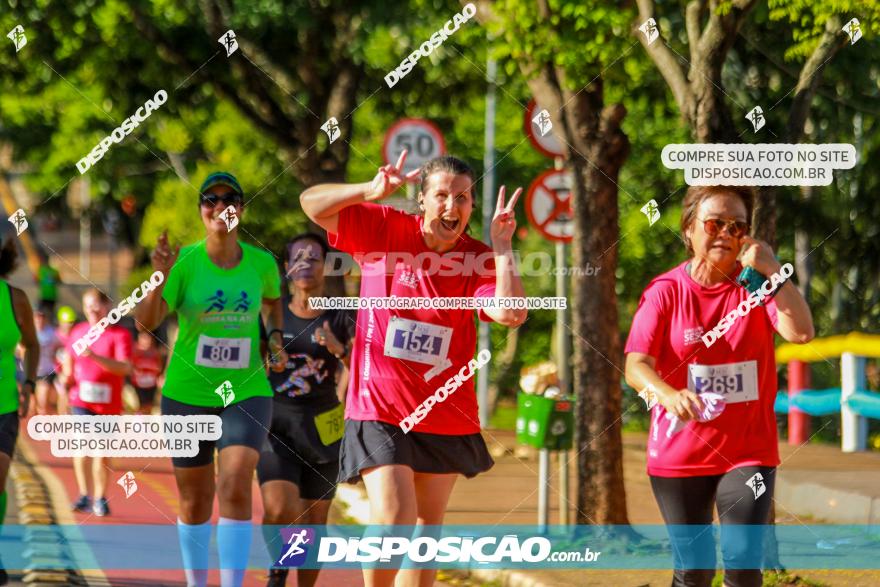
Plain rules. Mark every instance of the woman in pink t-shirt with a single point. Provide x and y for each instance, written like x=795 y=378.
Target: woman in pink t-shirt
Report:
x=411 y=422
x=698 y=331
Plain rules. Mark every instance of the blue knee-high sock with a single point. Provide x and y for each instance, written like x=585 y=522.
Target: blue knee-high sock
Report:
x=233 y=545
x=195 y=540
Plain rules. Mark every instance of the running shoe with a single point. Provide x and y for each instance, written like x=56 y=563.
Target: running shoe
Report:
x=83 y=504
x=100 y=508
x=277 y=578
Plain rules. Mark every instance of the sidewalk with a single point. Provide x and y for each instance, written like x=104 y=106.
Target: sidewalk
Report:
x=812 y=479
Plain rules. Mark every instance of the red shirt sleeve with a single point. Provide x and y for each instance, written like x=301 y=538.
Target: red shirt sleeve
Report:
x=362 y=228
x=484 y=285
x=649 y=324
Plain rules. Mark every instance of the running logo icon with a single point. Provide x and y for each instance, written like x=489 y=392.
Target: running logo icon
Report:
x=296 y=548
x=225 y=392
x=652 y=211
x=128 y=484
x=853 y=30
x=230 y=218
x=331 y=127
x=543 y=122
x=756 y=482
x=228 y=41
x=19 y=39
x=19 y=221
x=756 y=117
x=650 y=30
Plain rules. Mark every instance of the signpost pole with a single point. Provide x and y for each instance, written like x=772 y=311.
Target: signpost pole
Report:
x=543 y=483
x=562 y=364
x=488 y=208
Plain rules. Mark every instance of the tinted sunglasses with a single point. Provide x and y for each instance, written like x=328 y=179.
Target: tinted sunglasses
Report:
x=230 y=199
x=735 y=228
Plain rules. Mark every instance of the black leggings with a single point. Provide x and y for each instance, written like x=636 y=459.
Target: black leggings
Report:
x=689 y=500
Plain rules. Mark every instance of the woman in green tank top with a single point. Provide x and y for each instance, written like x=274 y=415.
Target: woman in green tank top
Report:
x=218 y=287
x=16 y=327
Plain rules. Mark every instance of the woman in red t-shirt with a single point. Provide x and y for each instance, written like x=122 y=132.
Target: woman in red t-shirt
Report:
x=676 y=353
x=411 y=422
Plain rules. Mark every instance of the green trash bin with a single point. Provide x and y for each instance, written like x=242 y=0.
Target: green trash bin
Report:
x=545 y=422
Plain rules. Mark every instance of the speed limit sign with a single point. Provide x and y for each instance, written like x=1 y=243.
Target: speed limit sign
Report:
x=421 y=138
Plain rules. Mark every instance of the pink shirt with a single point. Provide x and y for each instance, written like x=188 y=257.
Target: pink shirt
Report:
x=95 y=388
x=387 y=387
x=674 y=312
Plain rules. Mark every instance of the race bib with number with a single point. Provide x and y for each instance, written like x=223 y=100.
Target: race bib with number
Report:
x=223 y=353
x=736 y=382
x=330 y=425
x=94 y=393
x=417 y=341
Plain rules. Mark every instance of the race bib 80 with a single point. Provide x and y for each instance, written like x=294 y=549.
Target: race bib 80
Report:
x=736 y=382
x=223 y=353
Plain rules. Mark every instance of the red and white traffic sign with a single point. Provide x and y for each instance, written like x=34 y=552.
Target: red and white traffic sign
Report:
x=546 y=143
x=548 y=205
x=421 y=138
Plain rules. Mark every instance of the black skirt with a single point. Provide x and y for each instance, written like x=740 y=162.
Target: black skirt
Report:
x=370 y=443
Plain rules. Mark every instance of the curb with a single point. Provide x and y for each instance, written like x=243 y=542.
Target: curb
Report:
x=41 y=503
x=357 y=506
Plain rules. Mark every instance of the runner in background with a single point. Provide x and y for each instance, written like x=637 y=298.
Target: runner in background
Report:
x=218 y=287
x=98 y=374
x=146 y=373
x=46 y=396
x=16 y=328
x=401 y=357
x=48 y=278
x=300 y=460
x=66 y=320
x=729 y=462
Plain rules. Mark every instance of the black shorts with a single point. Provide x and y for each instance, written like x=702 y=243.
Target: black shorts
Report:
x=48 y=378
x=245 y=423
x=370 y=443
x=146 y=395
x=80 y=411
x=294 y=452
x=8 y=433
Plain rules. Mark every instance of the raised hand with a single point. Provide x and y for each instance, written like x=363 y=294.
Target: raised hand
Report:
x=325 y=337
x=758 y=255
x=163 y=256
x=504 y=222
x=389 y=178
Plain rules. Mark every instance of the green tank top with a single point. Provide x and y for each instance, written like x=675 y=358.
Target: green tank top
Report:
x=219 y=337
x=9 y=337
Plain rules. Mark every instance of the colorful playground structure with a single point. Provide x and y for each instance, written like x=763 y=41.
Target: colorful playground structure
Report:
x=852 y=399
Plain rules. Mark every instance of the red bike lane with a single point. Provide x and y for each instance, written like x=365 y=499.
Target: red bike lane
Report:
x=154 y=502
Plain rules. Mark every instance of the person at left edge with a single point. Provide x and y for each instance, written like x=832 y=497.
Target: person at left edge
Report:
x=16 y=326
x=218 y=287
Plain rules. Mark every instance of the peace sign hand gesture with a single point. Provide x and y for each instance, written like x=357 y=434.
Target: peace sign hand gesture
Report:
x=388 y=179
x=504 y=221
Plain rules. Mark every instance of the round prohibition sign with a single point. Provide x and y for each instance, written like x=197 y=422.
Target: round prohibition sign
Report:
x=548 y=205
x=421 y=138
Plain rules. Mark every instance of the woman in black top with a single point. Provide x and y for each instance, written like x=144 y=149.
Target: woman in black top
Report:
x=300 y=460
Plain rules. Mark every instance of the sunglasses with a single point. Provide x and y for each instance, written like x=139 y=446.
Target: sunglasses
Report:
x=230 y=199
x=735 y=228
